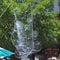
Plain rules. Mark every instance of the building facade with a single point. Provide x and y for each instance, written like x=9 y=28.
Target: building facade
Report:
x=56 y=6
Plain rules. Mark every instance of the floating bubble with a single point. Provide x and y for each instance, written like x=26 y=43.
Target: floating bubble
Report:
x=23 y=37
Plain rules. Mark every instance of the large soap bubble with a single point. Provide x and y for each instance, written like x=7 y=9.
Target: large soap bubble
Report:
x=24 y=37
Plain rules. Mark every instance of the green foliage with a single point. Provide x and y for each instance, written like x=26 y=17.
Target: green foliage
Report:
x=6 y=23
x=44 y=20
x=50 y=31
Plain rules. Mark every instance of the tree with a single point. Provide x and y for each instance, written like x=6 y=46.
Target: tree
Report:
x=44 y=20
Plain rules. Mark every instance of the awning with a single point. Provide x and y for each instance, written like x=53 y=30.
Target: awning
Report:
x=4 y=52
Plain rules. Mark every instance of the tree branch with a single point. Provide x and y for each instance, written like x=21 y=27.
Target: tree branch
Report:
x=5 y=10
